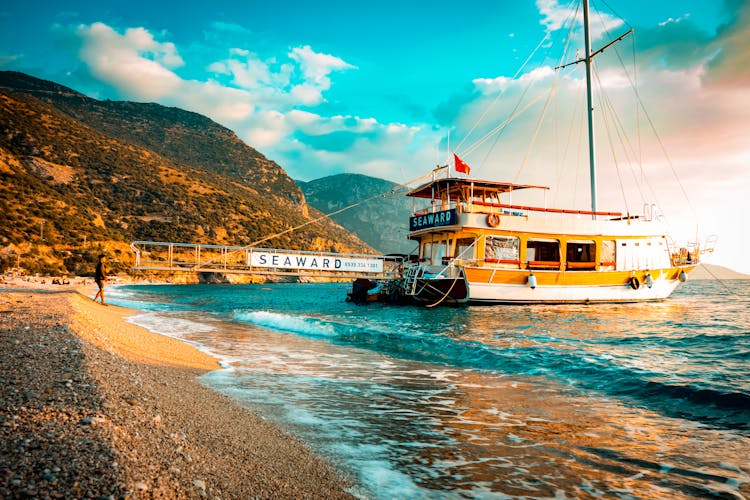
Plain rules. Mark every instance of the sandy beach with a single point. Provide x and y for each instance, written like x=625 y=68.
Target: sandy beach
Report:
x=95 y=407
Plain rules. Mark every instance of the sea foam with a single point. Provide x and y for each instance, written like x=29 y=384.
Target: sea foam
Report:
x=287 y=323
x=168 y=325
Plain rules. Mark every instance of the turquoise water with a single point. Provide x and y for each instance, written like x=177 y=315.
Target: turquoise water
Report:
x=613 y=401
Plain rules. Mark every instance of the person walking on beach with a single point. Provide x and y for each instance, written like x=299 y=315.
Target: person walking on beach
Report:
x=100 y=276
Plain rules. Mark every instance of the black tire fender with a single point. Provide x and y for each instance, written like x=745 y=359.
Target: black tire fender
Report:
x=635 y=284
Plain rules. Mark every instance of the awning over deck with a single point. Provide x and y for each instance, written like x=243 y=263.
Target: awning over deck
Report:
x=457 y=187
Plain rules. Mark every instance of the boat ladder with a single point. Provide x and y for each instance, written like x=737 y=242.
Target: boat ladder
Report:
x=411 y=276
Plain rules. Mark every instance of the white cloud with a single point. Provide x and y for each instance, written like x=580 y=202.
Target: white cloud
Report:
x=312 y=145
x=265 y=101
x=142 y=68
x=302 y=81
x=670 y=20
x=556 y=17
x=501 y=83
x=250 y=72
x=134 y=62
x=316 y=68
x=309 y=95
x=266 y=130
x=225 y=105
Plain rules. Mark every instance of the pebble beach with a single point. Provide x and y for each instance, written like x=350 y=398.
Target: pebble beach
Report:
x=95 y=407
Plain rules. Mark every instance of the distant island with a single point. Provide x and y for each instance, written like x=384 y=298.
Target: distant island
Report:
x=713 y=271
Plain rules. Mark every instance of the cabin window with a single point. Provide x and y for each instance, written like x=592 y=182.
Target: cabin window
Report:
x=427 y=251
x=463 y=250
x=438 y=251
x=580 y=255
x=581 y=251
x=502 y=249
x=608 y=253
x=434 y=251
x=543 y=253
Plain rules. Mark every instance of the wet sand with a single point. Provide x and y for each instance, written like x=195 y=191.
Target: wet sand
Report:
x=93 y=406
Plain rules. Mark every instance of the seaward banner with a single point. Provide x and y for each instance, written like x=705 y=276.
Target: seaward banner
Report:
x=314 y=262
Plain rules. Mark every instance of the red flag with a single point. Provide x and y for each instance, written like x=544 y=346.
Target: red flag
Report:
x=461 y=166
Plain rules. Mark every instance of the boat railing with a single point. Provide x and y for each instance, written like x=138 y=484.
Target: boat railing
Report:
x=519 y=209
x=507 y=209
x=683 y=254
x=710 y=244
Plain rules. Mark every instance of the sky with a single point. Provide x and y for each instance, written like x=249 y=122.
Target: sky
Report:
x=392 y=89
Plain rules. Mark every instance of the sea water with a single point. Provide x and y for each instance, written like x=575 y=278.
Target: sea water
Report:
x=616 y=401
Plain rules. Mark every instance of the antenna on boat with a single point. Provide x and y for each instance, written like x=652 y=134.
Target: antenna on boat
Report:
x=448 y=155
x=586 y=59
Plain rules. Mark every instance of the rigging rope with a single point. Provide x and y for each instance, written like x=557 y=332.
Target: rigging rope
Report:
x=391 y=191
x=515 y=113
x=546 y=106
x=640 y=106
x=536 y=131
x=612 y=148
x=627 y=146
x=666 y=155
x=628 y=150
x=721 y=282
x=497 y=97
x=384 y=194
x=622 y=136
x=489 y=134
x=445 y=296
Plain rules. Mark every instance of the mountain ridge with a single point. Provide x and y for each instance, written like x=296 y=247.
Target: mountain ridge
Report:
x=78 y=175
x=164 y=130
x=380 y=214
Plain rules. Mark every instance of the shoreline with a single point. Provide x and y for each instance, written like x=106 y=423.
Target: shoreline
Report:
x=96 y=405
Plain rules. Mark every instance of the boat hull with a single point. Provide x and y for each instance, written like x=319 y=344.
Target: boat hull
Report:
x=441 y=291
x=558 y=287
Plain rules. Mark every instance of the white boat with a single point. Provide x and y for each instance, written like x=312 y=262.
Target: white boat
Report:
x=475 y=245
x=483 y=249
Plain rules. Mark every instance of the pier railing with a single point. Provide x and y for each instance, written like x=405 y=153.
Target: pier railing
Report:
x=192 y=257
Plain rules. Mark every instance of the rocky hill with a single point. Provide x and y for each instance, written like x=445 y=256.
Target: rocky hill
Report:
x=382 y=220
x=78 y=175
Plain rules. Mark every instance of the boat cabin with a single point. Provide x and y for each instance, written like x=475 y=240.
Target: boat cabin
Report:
x=475 y=223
